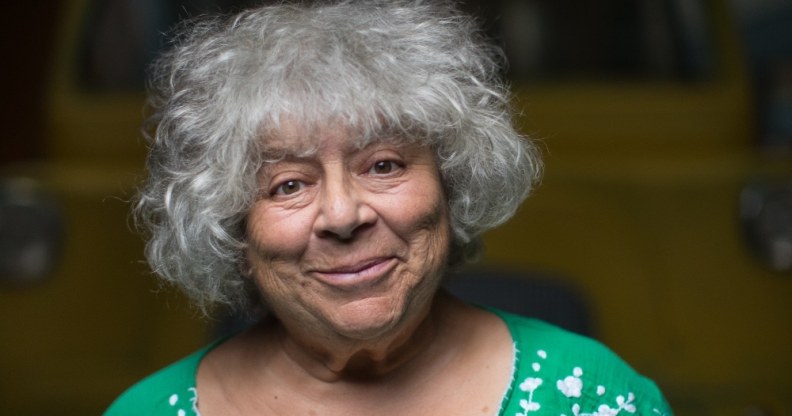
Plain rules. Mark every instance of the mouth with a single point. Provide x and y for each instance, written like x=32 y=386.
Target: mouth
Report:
x=357 y=275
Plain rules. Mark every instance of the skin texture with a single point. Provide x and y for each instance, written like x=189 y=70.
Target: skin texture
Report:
x=348 y=245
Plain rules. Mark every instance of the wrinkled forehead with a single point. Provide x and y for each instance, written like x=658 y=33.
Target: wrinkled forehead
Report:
x=289 y=137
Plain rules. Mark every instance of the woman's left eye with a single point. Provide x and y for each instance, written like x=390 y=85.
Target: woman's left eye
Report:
x=287 y=188
x=384 y=167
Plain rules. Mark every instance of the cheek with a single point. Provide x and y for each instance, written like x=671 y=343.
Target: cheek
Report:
x=274 y=233
x=420 y=216
x=276 y=244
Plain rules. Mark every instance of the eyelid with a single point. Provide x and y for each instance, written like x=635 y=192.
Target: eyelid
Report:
x=396 y=166
x=278 y=186
x=277 y=178
x=386 y=153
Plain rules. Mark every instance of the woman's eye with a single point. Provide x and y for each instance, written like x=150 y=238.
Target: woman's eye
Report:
x=288 y=187
x=383 y=167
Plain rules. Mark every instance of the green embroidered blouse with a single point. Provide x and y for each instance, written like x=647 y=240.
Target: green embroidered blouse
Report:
x=555 y=373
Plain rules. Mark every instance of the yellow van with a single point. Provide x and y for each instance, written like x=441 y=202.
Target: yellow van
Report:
x=662 y=205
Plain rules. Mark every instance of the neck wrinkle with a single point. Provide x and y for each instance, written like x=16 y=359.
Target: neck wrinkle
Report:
x=353 y=360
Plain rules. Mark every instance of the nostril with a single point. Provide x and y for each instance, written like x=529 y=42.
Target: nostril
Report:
x=345 y=233
x=346 y=225
x=344 y=208
x=340 y=235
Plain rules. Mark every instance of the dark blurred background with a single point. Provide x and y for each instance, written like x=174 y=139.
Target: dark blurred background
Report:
x=663 y=226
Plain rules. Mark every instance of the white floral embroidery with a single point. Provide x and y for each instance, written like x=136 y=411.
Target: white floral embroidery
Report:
x=571 y=386
x=194 y=400
x=543 y=355
x=173 y=400
x=605 y=410
x=626 y=404
x=528 y=406
x=529 y=385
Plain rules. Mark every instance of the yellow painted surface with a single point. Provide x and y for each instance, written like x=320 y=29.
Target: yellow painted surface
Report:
x=674 y=289
x=639 y=209
x=100 y=322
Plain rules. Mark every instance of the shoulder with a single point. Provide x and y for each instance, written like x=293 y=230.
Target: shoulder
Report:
x=557 y=370
x=533 y=333
x=170 y=390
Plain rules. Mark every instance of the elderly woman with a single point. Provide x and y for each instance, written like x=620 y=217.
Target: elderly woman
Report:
x=324 y=167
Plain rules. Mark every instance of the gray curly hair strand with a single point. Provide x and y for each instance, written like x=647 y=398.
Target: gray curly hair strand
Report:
x=414 y=68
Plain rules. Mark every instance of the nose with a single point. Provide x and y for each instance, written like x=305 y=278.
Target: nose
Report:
x=343 y=210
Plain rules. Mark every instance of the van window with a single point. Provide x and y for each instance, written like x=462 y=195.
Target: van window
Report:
x=604 y=39
x=543 y=39
x=121 y=37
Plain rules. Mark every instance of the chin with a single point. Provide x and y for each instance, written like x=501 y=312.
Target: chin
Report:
x=370 y=318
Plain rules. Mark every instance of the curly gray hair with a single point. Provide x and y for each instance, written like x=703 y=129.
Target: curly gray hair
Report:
x=417 y=69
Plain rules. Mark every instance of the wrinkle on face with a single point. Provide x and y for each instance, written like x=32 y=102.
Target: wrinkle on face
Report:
x=410 y=225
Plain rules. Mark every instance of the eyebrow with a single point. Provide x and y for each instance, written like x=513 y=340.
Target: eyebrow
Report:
x=269 y=164
x=297 y=150
x=271 y=155
x=276 y=148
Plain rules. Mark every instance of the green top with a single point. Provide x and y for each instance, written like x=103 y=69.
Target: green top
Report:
x=555 y=373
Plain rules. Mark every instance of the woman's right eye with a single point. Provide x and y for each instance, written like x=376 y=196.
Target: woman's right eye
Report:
x=288 y=188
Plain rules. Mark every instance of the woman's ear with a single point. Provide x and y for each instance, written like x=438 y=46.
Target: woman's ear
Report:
x=243 y=265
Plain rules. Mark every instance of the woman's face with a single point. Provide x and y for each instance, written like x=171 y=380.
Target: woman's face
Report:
x=348 y=239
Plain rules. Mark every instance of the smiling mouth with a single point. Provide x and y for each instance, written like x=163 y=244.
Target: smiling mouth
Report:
x=356 y=276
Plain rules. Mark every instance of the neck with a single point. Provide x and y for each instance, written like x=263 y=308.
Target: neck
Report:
x=335 y=358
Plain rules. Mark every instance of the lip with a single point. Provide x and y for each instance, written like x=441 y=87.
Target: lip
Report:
x=356 y=275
